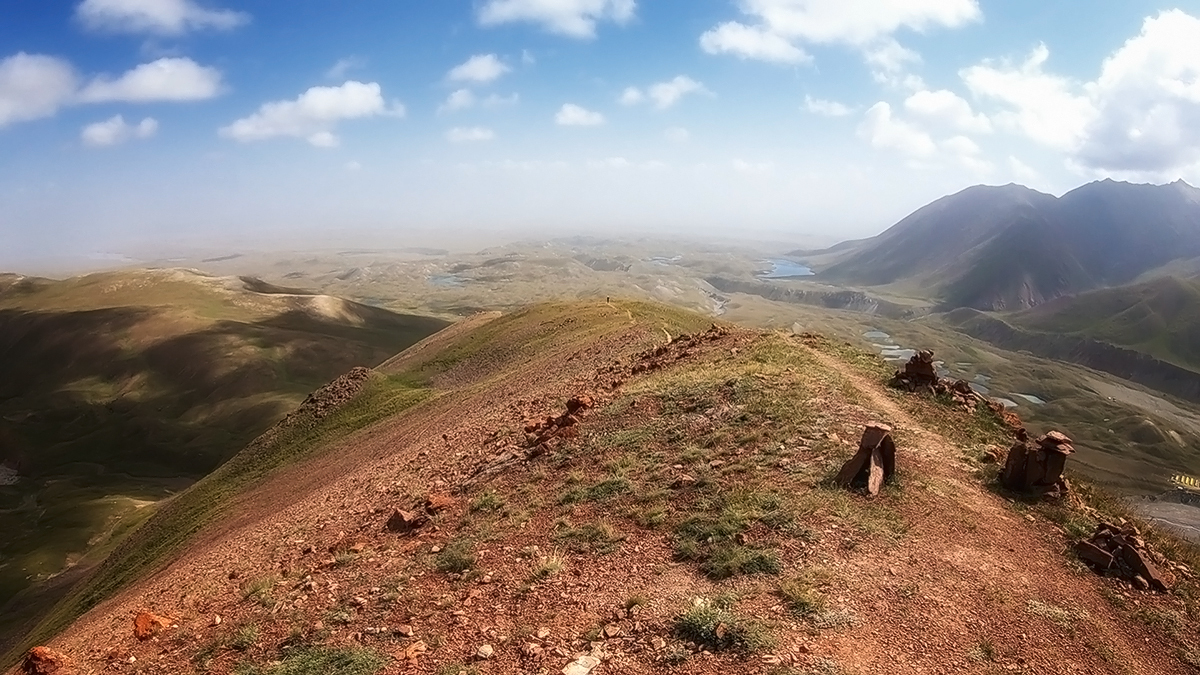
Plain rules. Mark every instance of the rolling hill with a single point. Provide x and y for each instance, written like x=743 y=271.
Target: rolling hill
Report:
x=1009 y=247
x=119 y=389
x=597 y=487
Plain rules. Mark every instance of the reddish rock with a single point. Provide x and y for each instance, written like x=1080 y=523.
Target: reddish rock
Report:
x=438 y=502
x=43 y=661
x=582 y=402
x=147 y=624
x=406 y=521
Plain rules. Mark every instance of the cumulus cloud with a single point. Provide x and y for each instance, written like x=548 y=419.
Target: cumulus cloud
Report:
x=313 y=115
x=752 y=42
x=478 y=68
x=1045 y=107
x=115 y=130
x=948 y=109
x=777 y=30
x=571 y=115
x=664 y=94
x=167 y=79
x=966 y=152
x=572 y=18
x=631 y=96
x=33 y=86
x=882 y=130
x=819 y=106
x=459 y=99
x=1139 y=118
x=469 y=134
x=161 y=17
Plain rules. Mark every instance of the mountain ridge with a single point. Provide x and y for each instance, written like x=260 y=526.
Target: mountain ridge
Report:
x=1011 y=247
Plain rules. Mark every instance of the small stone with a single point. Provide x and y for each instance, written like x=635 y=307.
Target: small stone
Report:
x=216 y=621
x=582 y=665
x=543 y=633
x=405 y=630
x=612 y=630
x=484 y=652
x=435 y=549
x=658 y=643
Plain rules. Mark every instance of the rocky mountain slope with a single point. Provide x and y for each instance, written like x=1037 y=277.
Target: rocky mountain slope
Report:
x=119 y=389
x=595 y=488
x=1009 y=247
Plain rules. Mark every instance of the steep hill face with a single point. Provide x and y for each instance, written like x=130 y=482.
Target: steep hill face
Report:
x=594 y=488
x=1159 y=317
x=1010 y=247
x=119 y=389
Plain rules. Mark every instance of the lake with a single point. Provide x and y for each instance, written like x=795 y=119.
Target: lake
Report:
x=784 y=269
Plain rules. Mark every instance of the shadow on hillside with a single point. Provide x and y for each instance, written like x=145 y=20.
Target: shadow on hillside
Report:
x=130 y=402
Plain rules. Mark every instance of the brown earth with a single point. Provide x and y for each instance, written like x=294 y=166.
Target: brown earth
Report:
x=936 y=575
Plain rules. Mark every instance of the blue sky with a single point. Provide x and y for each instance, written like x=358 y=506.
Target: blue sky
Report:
x=133 y=126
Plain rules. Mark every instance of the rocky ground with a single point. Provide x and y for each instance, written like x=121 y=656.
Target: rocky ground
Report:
x=626 y=499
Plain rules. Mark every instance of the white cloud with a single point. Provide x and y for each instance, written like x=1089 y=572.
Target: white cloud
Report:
x=889 y=62
x=1147 y=101
x=572 y=18
x=527 y=57
x=881 y=130
x=459 y=99
x=571 y=115
x=677 y=135
x=664 y=94
x=667 y=94
x=33 y=86
x=778 y=29
x=167 y=79
x=313 y=114
x=1139 y=119
x=353 y=165
x=750 y=42
x=115 y=131
x=1044 y=107
x=344 y=65
x=966 y=152
x=819 y=106
x=631 y=96
x=948 y=109
x=162 y=17
x=1022 y=171
x=469 y=134
x=478 y=68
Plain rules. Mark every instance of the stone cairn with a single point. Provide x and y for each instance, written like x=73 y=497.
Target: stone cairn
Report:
x=1036 y=467
x=920 y=374
x=874 y=462
x=1121 y=552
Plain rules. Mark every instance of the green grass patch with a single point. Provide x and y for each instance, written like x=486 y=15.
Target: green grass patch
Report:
x=596 y=537
x=605 y=489
x=711 y=537
x=457 y=557
x=711 y=623
x=322 y=661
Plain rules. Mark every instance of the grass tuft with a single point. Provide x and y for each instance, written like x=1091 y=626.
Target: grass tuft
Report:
x=711 y=624
x=456 y=558
x=323 y=661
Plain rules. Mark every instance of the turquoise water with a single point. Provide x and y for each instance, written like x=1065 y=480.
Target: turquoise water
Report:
x=783 y=269
x=445 y=280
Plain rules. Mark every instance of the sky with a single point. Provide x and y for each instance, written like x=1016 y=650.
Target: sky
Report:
x=136 y=126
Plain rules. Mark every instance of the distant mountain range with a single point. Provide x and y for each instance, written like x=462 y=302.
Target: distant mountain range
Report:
x=1011 y=248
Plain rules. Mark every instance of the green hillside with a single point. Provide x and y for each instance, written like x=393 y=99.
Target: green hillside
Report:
x=119 y=389
x=1159 y=317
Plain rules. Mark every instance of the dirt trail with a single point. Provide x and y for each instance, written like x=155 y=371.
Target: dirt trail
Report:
x=976 y=576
